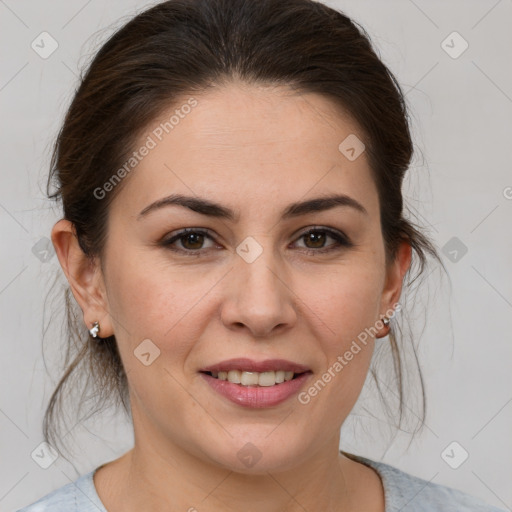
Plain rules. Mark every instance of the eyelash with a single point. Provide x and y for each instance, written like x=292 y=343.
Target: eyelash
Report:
x=341 y=241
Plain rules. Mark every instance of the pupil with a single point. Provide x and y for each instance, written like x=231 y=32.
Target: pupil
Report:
x=318 y=237
x=193 y=237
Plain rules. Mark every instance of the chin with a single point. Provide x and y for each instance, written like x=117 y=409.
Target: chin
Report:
x=257 y=455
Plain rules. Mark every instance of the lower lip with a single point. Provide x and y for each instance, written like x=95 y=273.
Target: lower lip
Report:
x=257 y=397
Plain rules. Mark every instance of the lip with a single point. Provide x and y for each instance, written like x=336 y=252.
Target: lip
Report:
x=257 y=397
x=249 y=365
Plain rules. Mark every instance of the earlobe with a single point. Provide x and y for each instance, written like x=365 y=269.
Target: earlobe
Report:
x=84 y=276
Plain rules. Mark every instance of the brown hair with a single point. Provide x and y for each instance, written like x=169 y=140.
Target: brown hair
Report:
x=180 y=47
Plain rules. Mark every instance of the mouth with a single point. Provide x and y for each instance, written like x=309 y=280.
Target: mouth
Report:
x=256 y=390
x=256 y=379
x=256 y=384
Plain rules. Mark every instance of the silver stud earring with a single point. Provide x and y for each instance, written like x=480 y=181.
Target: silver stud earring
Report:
x=94 y=329
x=386 y=321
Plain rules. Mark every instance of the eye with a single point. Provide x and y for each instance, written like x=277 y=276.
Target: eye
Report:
x=193 y=239
x=317 y=237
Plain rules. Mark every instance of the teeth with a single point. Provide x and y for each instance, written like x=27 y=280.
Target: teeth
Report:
x=233 y=376
x=254 y=378
x=280 y=376
x=249 y=379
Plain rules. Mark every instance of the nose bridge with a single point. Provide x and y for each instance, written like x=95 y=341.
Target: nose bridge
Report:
x=258 y=268
x=261 y=300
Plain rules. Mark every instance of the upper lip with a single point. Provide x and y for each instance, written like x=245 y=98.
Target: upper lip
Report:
x=249 y=365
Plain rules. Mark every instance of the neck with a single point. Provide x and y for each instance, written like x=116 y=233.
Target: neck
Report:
x=147 y=478
x=161 y=473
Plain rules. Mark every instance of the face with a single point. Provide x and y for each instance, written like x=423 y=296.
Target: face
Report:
x=272 y=282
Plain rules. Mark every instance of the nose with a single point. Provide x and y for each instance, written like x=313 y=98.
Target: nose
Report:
x=258 y=297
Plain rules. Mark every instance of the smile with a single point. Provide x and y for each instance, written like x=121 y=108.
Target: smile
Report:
x=256 y=390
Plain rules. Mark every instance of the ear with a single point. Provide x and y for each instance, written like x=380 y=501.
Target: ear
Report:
x=84 y=277
x=394 y=278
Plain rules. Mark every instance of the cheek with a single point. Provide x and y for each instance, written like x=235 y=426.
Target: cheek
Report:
x=141 y=296
x=148 y=305
x=347 y=303
x=346 y=300
x=148 y=301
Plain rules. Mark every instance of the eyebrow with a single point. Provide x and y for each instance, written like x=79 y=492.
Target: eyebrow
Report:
x=207 y=207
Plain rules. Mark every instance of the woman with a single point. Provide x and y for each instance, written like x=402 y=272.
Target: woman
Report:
x=231 y=173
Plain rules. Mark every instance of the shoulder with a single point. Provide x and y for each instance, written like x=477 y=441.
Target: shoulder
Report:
x=407 y=493
x=77 y=496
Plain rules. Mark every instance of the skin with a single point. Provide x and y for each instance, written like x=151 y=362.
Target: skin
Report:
x=255 y=150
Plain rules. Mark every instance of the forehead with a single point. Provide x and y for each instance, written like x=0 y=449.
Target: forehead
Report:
x=254 y=146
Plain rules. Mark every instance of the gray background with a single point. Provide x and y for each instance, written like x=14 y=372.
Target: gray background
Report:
x=460 y=187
